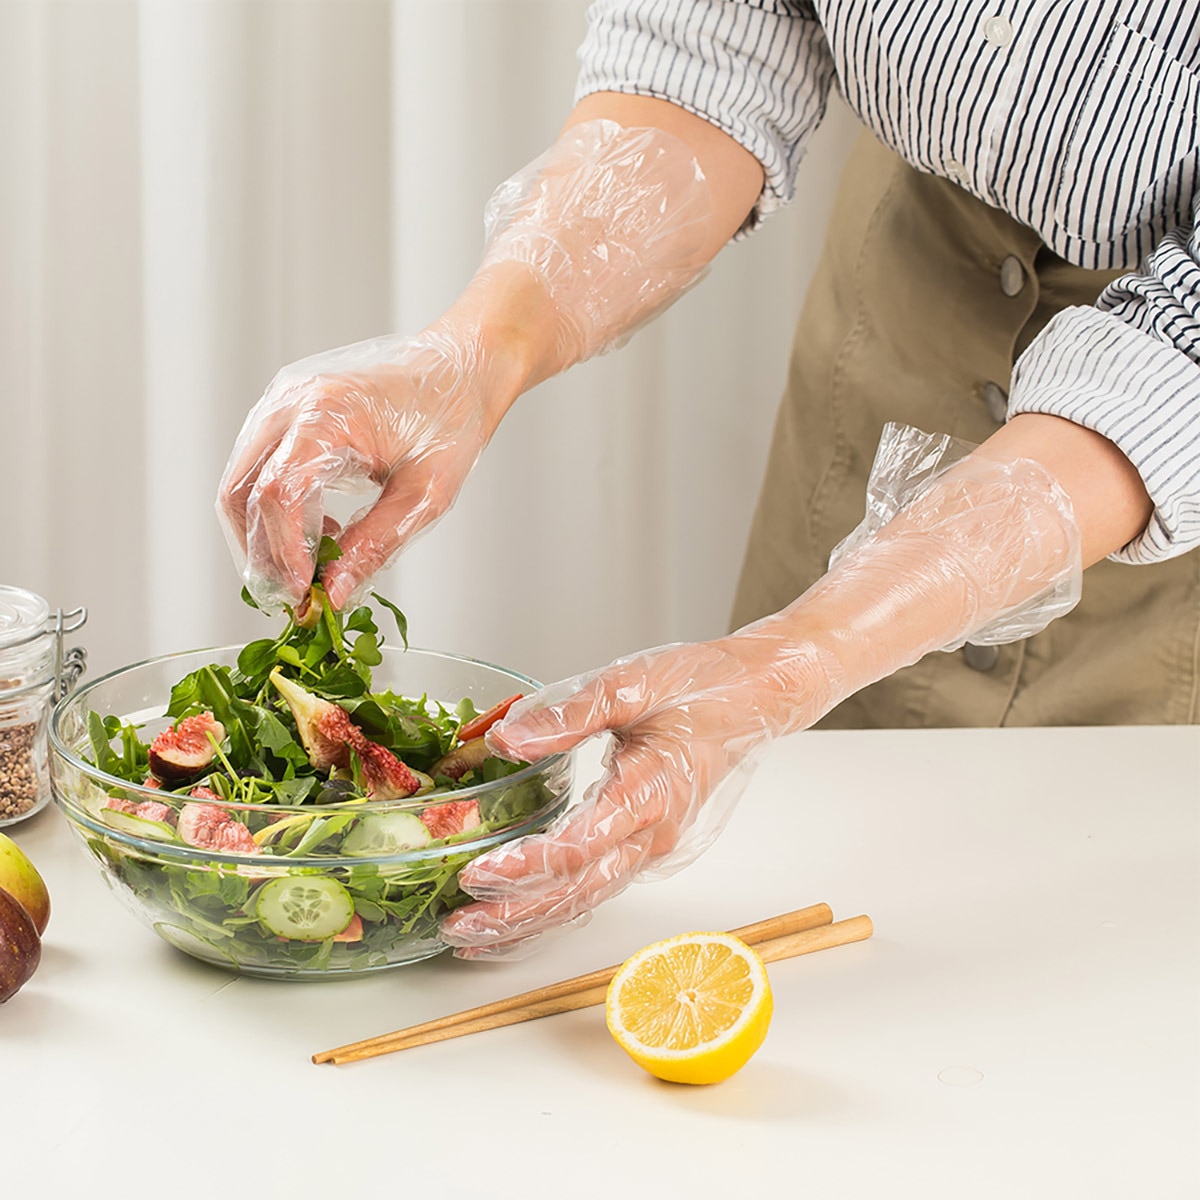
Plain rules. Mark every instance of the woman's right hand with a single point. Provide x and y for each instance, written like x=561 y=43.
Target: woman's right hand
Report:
x=407 y=415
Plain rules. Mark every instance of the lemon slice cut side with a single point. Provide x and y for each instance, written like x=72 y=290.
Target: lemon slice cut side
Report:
x=692 y=1008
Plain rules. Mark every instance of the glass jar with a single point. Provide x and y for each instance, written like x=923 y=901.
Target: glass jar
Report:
x=35 y=673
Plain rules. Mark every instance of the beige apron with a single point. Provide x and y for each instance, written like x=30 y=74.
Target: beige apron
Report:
x=923 y=299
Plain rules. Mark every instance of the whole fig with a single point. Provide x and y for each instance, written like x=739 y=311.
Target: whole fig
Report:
x=20 y=947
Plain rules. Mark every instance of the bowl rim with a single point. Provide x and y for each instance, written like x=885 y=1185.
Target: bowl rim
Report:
x=404 y=804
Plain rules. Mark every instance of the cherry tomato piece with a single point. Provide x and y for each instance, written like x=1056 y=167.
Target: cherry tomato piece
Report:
x=479 y=725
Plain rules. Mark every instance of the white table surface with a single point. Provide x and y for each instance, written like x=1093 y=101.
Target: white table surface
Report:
x=1035 y=897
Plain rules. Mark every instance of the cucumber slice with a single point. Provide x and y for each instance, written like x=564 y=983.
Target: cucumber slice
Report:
x=305 y=908
x=386 y=833
x=135 y=826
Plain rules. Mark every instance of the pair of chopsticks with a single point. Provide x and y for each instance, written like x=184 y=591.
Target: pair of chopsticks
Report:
x=799 y=932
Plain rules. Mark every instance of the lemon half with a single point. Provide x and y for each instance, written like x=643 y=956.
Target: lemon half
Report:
x=692 y=1008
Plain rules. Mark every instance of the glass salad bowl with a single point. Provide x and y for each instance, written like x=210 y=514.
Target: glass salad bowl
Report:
x=312 y=885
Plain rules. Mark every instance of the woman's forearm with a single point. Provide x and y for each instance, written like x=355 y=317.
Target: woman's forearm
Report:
x=1110 y=501
x=519 y=312
x=1002 y=536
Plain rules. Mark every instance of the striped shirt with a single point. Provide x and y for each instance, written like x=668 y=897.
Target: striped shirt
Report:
x=1079 y=118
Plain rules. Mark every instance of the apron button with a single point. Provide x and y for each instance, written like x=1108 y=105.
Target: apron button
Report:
x=1012 y=276
x=981 y=658
x=995 y=400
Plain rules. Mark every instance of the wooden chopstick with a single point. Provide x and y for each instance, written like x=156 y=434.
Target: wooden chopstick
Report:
x=790 y=922
x=795 y=933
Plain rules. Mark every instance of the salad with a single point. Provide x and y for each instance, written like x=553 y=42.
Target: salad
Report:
x=286 y=814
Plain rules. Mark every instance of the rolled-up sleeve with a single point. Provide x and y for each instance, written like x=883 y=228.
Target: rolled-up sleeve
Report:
x=760 y=70
x=1129 y=368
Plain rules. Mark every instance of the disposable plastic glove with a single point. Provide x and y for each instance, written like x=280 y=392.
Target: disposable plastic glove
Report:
x=406 y=414
x=583 y=246
x=970 y=549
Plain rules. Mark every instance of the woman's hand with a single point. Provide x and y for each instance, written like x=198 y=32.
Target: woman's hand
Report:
x=407 y=415
x=687 y=724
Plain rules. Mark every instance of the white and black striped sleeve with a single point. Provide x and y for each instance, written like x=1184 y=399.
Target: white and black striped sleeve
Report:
x=1130 y=369
x=759 y=71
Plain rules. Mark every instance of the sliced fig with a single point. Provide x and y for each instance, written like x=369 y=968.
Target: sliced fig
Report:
x=208 y=827
x=451 y=818
x=466 y=757
x=384 y=776
x=186 y=750
x=149 y=810
x=329 y=736
x=20 y=946
x=310 y=713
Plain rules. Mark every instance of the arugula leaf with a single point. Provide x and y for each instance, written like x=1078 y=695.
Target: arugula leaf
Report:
x=366 y=650
x=401 y=619
x=99 y=733
x=321 y=830
x=340 y=682
x=327 y=551
x=257 y=658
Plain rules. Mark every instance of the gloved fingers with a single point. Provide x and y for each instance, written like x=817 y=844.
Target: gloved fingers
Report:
x=521 y=948
x=492 y=924
x=646 y=779
x=560 y=716
x=370 y=541
x=414 y=497
x=618 y=696
x=263 y=430
x=682 y=837
x=510 y=924
x=286 y=508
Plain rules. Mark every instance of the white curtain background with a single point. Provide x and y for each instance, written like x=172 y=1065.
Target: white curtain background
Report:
x=194 y=193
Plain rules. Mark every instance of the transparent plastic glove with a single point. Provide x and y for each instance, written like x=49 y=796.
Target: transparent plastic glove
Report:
x=614 y=223
x=585 y=244
x=977 y=543
x=405 y=414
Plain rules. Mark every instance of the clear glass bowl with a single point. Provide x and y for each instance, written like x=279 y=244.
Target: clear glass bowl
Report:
x=220 y=907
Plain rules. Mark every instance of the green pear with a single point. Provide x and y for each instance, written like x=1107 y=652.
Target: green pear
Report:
x=20 y=879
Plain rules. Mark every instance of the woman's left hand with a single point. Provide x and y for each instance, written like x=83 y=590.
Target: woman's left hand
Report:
x=687 y=721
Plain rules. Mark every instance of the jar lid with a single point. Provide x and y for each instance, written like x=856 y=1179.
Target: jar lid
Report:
x=22 y=615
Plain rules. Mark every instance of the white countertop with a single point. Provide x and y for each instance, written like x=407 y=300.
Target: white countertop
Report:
x=1025 y=1022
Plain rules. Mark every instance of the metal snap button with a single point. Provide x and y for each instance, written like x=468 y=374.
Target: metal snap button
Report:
x=1012 y=276
x=981 y=658
x=956 y=171
x=998 y=31
x=995 y=400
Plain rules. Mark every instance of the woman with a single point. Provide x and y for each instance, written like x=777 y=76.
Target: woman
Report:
x=1031 y=157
